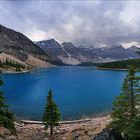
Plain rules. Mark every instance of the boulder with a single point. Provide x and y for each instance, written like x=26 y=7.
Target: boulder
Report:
x=108 y=134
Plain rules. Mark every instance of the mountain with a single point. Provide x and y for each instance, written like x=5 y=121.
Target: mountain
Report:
x=67 y=53
x=52 y=48
x=20 y=48
x=118 y=52
x=17 y=48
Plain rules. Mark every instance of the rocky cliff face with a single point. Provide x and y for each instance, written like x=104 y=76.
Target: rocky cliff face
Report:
x=19 y=46
x=70 y=54
x=52 y=48
x=67 y=53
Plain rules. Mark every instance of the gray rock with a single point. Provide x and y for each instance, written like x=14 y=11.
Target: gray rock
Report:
x=108 y=134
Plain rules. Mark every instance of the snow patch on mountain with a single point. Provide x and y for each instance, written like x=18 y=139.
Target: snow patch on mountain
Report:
x=69 y=60
x=69 y=55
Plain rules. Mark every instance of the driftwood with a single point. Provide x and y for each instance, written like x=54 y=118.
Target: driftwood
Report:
x=63 y=122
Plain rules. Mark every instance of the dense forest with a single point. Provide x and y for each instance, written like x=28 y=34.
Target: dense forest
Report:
x=121 y=64
x=12 y=65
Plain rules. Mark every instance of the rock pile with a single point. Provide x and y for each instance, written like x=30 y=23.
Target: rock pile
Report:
x=108 y=134
x=6 y=135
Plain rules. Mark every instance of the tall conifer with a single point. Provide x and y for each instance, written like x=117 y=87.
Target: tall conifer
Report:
x=126 y=105
x=6 y=117
x=51 y=116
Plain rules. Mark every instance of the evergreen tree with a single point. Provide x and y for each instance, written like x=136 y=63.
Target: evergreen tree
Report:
x=6 y=117
x=133 y=130
x=126 y=106
x=51 y=116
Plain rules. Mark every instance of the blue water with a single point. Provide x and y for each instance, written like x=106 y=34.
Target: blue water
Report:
x=78 y=91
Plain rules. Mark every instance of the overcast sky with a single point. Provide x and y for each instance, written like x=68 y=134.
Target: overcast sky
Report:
x=98 y=23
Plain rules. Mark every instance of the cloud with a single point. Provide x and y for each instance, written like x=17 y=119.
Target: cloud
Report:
x=130 y=44
x=98 y=23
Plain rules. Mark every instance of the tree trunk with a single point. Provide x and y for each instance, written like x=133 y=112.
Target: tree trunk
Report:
x=132 y=99
x=51 y=130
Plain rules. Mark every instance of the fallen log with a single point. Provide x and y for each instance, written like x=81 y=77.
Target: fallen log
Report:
x=62 y=122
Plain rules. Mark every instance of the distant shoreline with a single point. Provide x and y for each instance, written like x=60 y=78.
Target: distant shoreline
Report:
x=112 y=69
x=64 y=118
x=116 y=69
x=15 y=72
x=10 y=71
x=26 y=71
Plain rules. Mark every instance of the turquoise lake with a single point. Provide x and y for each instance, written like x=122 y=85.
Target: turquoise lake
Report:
x=78 y=91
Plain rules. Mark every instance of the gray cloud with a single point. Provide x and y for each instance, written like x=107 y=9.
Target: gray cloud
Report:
x=98 y=23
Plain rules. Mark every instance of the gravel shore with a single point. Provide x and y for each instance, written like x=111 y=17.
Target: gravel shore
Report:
x=78 y=130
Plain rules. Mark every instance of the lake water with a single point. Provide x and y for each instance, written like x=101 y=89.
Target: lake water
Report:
x=78 y=91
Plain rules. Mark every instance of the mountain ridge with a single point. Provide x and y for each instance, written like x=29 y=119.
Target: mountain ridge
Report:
x=66 y=51
x=47 y=52
x=19 y=46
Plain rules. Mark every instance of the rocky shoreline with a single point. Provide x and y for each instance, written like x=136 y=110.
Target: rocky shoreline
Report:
x=84 y=129
x=15 y=72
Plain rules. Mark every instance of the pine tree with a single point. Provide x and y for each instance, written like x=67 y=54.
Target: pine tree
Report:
x=51 y=116
x=133 y=130
x=6 y=117
x=126 y=105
